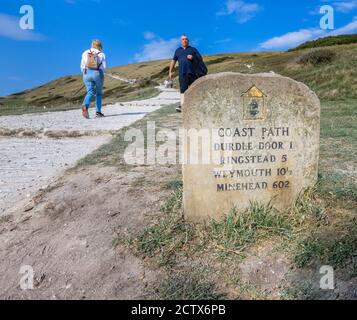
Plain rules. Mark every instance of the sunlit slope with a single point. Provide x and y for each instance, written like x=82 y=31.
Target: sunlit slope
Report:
x=333 y=80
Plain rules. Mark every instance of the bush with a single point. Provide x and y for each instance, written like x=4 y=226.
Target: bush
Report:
x=316 y=57
x=328 y=41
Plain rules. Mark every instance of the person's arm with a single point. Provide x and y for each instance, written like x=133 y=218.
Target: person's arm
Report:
x=104 y=63
x=173 y=64
x=83 y=62
x=196 y=55
x=172 y=67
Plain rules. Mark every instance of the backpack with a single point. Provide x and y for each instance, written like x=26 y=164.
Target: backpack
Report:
x=93 y=60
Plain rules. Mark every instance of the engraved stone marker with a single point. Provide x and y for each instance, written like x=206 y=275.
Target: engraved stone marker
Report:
x=248 y=138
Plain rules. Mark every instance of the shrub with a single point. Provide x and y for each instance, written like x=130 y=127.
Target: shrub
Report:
x=328 y=41
x=316 y=57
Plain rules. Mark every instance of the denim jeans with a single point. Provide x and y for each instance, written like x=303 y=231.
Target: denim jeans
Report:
x=94 y=81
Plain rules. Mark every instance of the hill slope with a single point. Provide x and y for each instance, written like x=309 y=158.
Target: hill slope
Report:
x=328 y=41
x=334 y=80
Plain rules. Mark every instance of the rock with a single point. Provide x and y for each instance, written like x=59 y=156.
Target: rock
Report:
x=29 y=206
x=261 y=143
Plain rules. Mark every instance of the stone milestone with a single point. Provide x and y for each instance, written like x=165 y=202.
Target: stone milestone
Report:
x=249 y=138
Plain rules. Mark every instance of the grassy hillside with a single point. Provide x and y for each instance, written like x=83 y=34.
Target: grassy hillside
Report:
x=328 y=41
x=335 y=79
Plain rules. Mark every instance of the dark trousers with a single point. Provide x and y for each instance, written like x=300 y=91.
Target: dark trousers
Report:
x=185 y=81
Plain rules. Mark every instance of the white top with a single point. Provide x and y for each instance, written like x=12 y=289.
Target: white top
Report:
x=101 y=59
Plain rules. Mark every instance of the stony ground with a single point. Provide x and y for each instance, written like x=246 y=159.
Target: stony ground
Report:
x=37 y=147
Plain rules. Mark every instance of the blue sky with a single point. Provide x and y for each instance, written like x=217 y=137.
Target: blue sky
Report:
x=140 y=30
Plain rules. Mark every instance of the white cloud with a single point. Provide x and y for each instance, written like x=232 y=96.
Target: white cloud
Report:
x=10 y=28
x=293 y=39
x=345 y=6
x=148 y=35
x=338 y=5
x=347 y=29
x=244 y=11
x=119 y=22
x=157 y=49
x=226 y=40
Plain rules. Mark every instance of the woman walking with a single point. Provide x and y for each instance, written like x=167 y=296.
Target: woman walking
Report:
x=93 y=67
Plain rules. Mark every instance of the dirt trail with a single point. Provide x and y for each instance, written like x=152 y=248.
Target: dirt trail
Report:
x=35 y=148
x=68 y=240
x=66 y=232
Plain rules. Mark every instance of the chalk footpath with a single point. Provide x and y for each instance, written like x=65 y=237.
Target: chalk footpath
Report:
x=117 y=116
x=29 y=163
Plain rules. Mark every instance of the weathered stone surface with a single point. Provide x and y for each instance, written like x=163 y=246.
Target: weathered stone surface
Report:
x=259 y=111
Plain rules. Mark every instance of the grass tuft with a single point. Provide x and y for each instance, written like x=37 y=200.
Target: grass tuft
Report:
x=168 y=236
x=308 y=209
x=238 y=230
x=174 y=184
x=187 y=285
x=328 y=248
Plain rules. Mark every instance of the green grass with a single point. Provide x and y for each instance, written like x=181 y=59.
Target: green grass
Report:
x=304 y=290
x=238 y=230
x=165 y=238
x=328 y=41
x=327 y=249
x=317 y=239
x=171 y=235
x=335 y=187
x=188 y=285
x=307 y=209
x=339 y=120
x=174 y=184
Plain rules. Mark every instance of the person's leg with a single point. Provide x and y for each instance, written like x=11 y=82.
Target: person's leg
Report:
x=182 y=99
x=183 y=79
x=89 y=84
x=187 y=81
x=191 y=79
x=99 y=82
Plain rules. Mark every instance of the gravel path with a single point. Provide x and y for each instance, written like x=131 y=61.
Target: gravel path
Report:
x=117 y=116
x=28 y=164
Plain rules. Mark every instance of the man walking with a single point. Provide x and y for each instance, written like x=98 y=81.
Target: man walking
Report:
x=190 y=60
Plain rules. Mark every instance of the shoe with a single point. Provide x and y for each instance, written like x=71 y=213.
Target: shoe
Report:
x=85 y=113
x=179 y=109
x=99 y=115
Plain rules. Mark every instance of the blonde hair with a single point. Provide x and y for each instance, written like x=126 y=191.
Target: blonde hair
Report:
x=97 y=44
